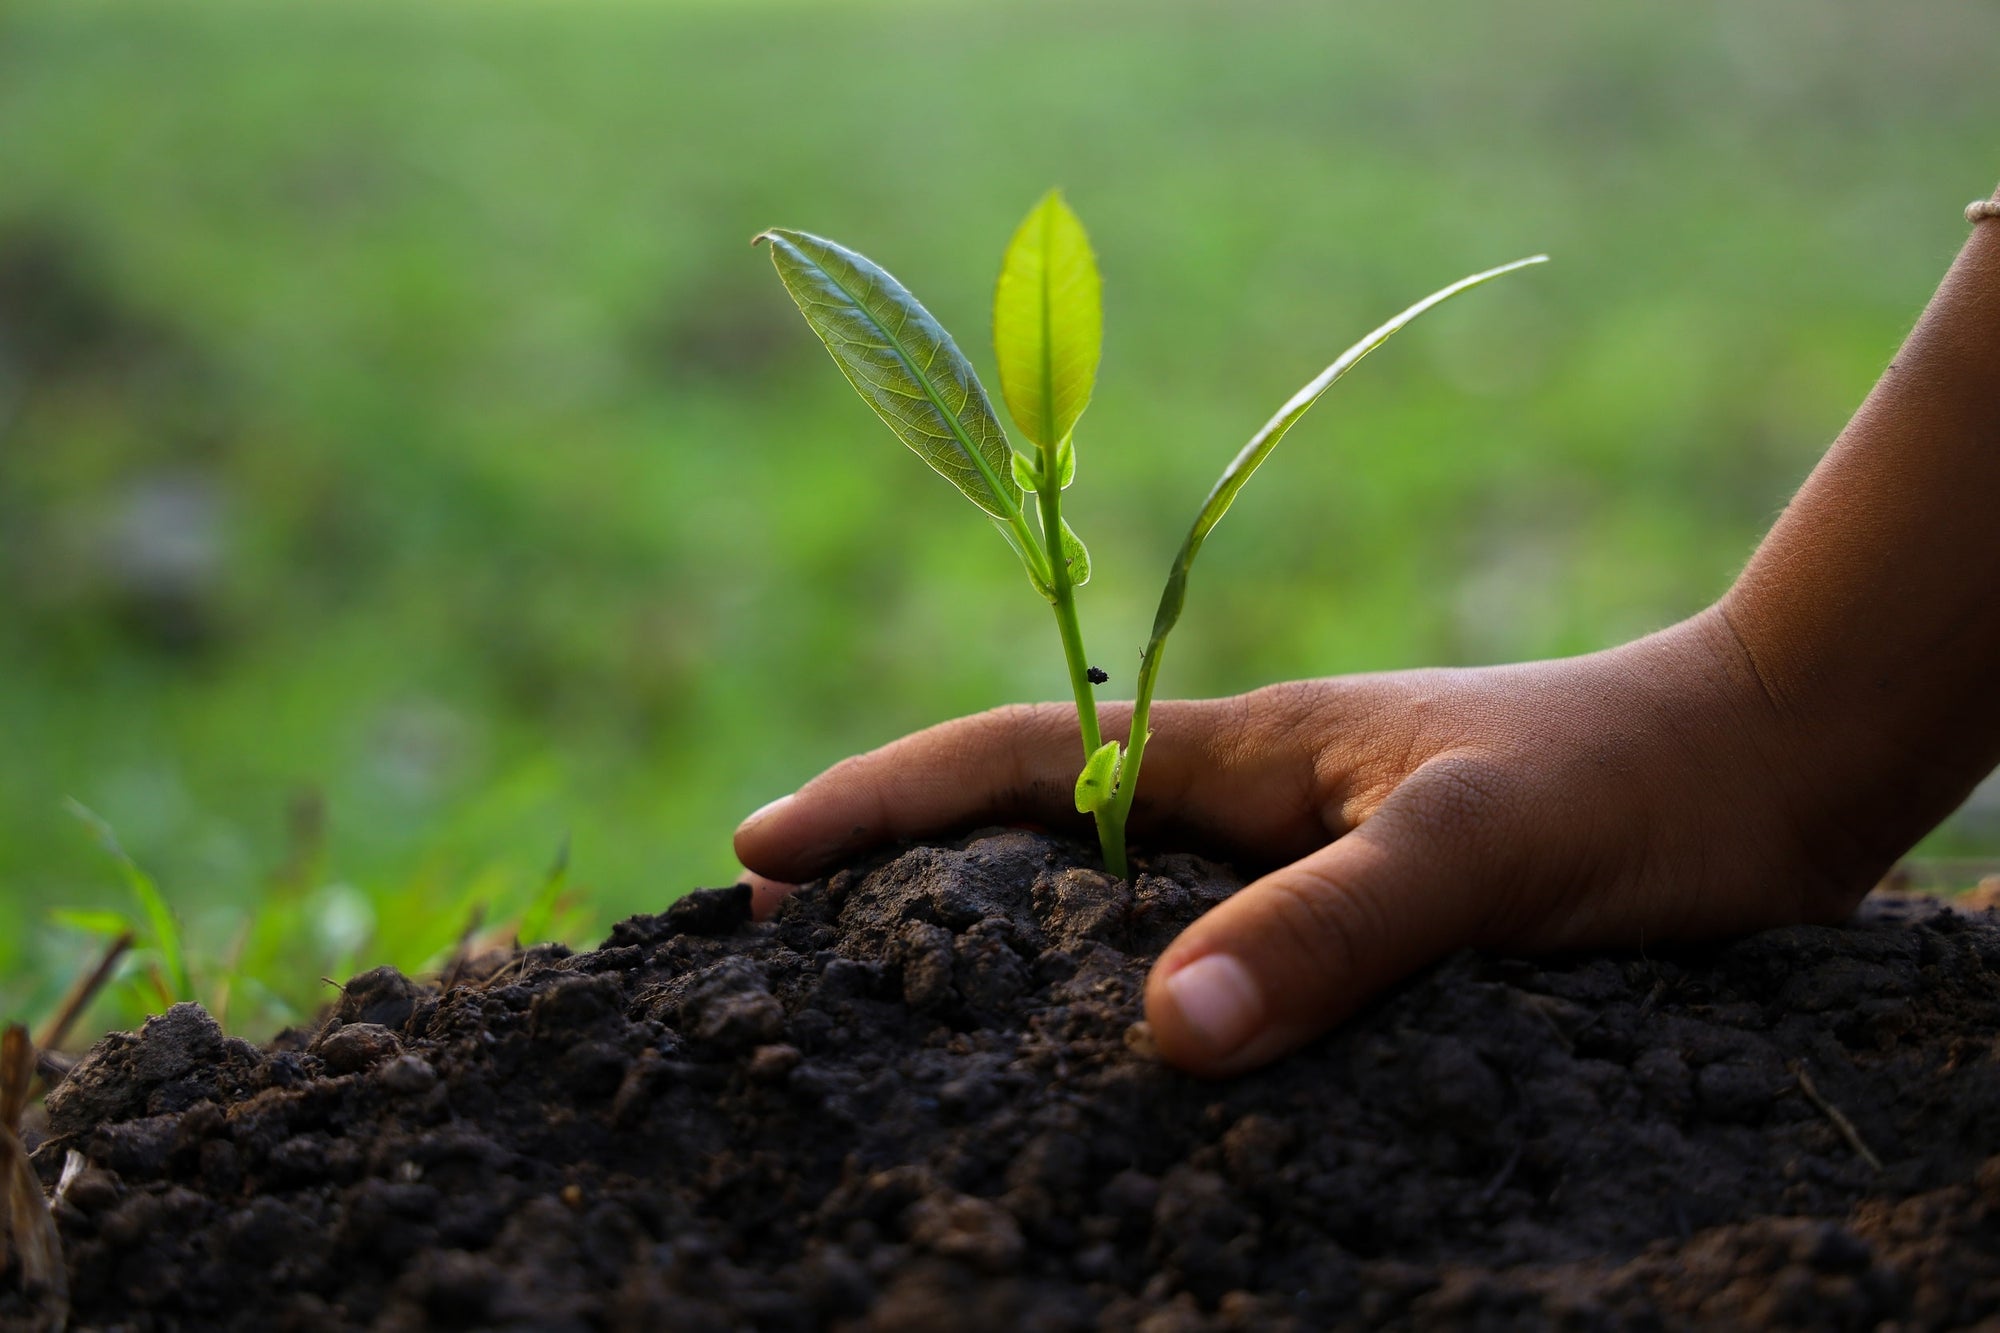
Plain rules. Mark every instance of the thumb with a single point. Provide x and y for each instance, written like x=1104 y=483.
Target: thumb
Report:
x=1297 y=951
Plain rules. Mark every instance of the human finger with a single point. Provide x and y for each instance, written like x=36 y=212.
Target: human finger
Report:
x=1295 y=952
x=1238 y=766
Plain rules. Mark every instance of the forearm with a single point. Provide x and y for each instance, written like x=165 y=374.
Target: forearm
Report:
x=1872 y=610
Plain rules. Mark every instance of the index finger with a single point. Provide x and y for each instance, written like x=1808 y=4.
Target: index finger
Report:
x=1015 y=762
x=1215 y=764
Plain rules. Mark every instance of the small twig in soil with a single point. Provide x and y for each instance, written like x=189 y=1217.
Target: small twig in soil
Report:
x=160 y=984
x=56 y=1031
x=1834 y=1114
x=25 y=1225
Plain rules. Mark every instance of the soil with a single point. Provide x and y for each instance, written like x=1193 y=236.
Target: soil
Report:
x=918 y=1100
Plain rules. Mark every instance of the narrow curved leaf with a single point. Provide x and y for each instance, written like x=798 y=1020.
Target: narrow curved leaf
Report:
x=1048 y=322
x=900 y=359
x=1099 y=779
x=1223 y=494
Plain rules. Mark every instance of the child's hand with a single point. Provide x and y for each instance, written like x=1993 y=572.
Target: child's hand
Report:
x=1633 y=796
x=1760 y=763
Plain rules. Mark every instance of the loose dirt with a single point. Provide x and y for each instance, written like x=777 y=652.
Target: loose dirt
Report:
x=918 y=1100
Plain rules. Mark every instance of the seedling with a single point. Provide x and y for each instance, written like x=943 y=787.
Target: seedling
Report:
x=1048 y=329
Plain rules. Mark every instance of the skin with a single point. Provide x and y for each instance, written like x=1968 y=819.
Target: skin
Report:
x=1758 y=764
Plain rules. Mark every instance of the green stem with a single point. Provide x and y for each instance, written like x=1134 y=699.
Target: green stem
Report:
x=1120 y=807
x=1110 y=835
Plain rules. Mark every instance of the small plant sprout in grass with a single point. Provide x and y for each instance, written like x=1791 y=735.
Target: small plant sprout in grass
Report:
x=165 y=955
x=1047 y=336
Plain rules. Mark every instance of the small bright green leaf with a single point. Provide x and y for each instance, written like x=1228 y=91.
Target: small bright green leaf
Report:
x=905 y=366
x=1259 y=448
x=89 y=922
x=1027 y=472
x=1098 y=780
x=1048 y=322
x=1075 y=557
x=1066 y=463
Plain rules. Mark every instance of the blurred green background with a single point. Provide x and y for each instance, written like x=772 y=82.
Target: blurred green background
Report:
x=406 y=463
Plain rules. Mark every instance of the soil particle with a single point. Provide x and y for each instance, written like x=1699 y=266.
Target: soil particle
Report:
x=384 y=997
x=922 y=1097
x=353 y=1047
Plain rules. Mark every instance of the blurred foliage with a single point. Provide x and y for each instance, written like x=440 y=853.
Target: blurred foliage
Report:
x=397 y=431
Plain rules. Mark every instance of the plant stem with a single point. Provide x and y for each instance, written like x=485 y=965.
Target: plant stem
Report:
x=1110 y=834
x=1135 y=746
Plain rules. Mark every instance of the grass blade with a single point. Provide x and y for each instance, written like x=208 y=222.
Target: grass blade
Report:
x=160 y=920
x=540 y=914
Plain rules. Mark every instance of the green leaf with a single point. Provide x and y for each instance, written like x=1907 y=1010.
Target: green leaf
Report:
x=90 y=922
x=1174 y=597
x=160 y=920
x=905 y=366
x=1048 y=322
x=1028 y=469
x=1099 y=779
x=1075 y=557
x=1027 y=472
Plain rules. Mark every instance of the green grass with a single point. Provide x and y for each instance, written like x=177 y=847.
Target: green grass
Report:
x=535 y=516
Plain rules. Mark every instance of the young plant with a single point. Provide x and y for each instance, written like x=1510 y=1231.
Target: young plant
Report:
x=1048 y=330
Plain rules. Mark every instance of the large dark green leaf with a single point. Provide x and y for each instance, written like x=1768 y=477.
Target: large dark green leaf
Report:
x=906 y=366
x=1048 y=323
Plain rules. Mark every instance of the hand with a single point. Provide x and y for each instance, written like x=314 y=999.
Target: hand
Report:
x=1634 y=796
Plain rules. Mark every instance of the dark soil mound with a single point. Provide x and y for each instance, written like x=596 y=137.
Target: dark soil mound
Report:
x=917 y=1100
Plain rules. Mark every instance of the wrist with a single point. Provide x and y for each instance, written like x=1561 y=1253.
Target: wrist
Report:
x=1869 y=761
x=1771 y=766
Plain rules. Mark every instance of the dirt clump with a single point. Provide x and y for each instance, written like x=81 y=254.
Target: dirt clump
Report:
x=918 y=1099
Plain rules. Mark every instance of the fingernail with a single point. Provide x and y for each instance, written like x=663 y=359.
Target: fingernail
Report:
x=763 y=812
x=1219 y=1000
